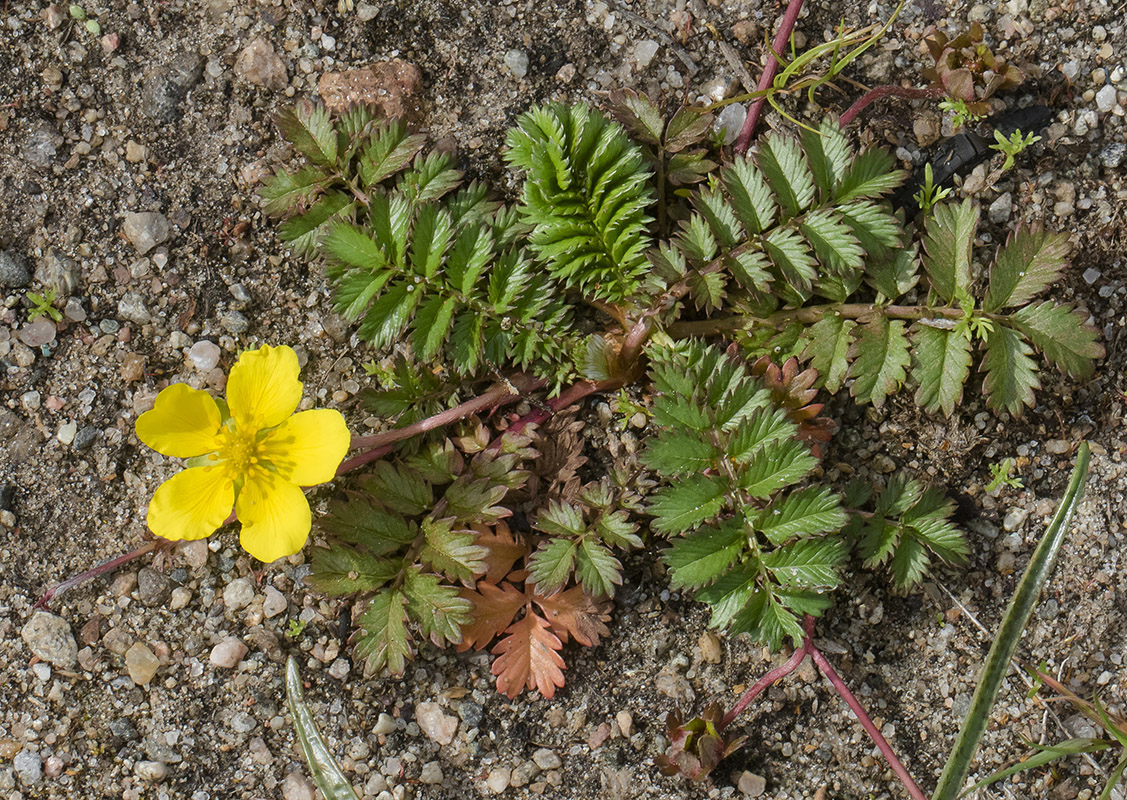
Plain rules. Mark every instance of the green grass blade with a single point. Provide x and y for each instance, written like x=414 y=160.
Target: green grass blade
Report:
x=1114 y=778
x=322 y=765
x=1045 y=756
x=1009 y=633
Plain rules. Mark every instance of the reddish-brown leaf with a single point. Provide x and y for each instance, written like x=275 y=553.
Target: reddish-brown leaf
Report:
x=527 y=658
x=504 y=550
x=494 y=609
x=575 y=613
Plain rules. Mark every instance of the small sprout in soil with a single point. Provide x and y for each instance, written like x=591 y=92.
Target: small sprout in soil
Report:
x=43 y=304
x=1001 y=474
x=1013 y=146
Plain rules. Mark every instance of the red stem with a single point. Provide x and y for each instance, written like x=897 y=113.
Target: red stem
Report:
x=888 y=91
x=778 y=672
x=101 y=569
x=786 y=28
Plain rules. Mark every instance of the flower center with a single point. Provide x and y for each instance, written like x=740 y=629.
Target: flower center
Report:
x=240 y=454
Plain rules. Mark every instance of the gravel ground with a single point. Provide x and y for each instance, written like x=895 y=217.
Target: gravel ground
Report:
x=128 y=164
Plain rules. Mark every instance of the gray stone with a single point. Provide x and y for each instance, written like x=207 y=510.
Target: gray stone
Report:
x=431 y=773
x=85 y=438
x=238 y=594
x=1091 y=275
x=74 y=311
x=132 y=308
x=1112 y=155
x=59 y=272
x=644 y=52
x=516 y=61
x=1001 y=208
x=233 y=322
x=14 y=274
x=547 y=759
x=41 y=145
x=164 y=89
x=274 y=602
x=435 y=724
x=49 y=637
x=257 y=63
x=37 y=333
x=152 y=771
x=153 y=587
x=29 y=767
x=1105 y=98
x=228 y=653
x=471 y=713
x=145 y=230
x=730 y=121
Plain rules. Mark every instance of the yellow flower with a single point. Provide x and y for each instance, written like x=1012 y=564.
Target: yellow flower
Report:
x=251 y=453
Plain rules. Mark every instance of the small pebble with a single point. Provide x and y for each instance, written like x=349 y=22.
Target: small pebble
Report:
x=180 y=598
x=547 y=759
x=751 y=785
x=153 y=587
x=67 y=432
x=238 y=594
x=1091 y=275
x=195 y=553
x=340 y=668
x=204 y=355
x=644 y=52
x=274 y=602
x=49 y=637
x=38 y=333
x=1001 y=208
x=257 y=63
x=14 y=274
x=86 y=437
x=710 y=649
x=297 y=787
x=498 y=779
x=435 y=724
x=384 y=725
x=730 y=121
x=625 y=722
x=141 y=664
x=228 y=653
x=233 y=321
x=152 y=771
x=516 y=61
x=1112 y=155
x=1105 y=98
x=133 y=367
x=29 y=767
x=132 y=308
x=1014 y=518
x=431 y=773
x=145 y=230
x=1058 y=447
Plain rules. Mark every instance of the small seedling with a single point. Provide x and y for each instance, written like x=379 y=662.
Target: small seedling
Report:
x=929 y=194
x=1001 y=474
x=78 y=14
x=1013 y=146
x=960 y=113
x=43 y=304
x=296 y=628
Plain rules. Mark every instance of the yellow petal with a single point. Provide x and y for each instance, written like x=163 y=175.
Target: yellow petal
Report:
x=192 y=504
x=183 y=423
x=275 y=517
x=308 y=447
x=263 y=388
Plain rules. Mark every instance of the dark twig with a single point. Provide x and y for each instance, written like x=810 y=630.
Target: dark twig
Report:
x=872 y=95
x=101 y=569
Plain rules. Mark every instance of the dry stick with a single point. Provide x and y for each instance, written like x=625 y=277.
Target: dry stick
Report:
x=888 y=91
x=778 y=672
x=786 y=28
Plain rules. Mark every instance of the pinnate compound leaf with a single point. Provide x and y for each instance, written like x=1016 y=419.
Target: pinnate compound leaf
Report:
x=550 y=566
x=438 y=609
x=1062 y=334
x=828 y=350
x=784 y=165
x=683 y=505
x=949 y=235
x=750 y=195
x=597 y=570
x=1011 y=375
x=807 y=512
x=776 y=465
x=576 y=614
x=340 y=570
x=699 y=558
x=910 y=563
x=829 y=156
x=1025 y=265
x=383 y=640
x=527 y=658
x=493 y=610
x=361 y=522
x=880 y=357
x=870 y=175
x=807 y=563
x=454 y=553
x=402 y=490
x=729 y=594
x=941 y=367
x=285 y=192
x=311 y=131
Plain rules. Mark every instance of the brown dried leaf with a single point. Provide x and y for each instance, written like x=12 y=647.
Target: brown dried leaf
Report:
x=494 y=609
x=527 y=658
x=504 y=548
x=575 y=613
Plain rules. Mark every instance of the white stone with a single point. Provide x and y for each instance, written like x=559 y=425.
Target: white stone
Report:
x=204 y=355
x=1105 y=98
x=238 y=594
x=228 y=653
x=431 y=773
x=384 y=725
x=434 y=723
x=297 y=787
x=547 y=759
x=67 y=432
x=274 y=602
x=644 y=52
x=516 y=61
x=152 y=771
x=730 y=121
x=498 y=779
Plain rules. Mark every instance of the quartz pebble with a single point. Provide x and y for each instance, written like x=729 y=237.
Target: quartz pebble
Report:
x=49 y=637
x=204 y=355
x=152 y=771
x=384 y=725
x=132 y=308
x=67 y=432
x=238 y=594
x=547 y=759
x=431 y=773
x=751 y=785
x=141 y=664
x=37 y=333
x=498 y=779
x=644 y=52
x=1112 y=155
x=1105 y=99
x=516 y=61
x=145 y=230
x=435 y=724
x=297 y=787
x=274 y=602
x=28 y=766
x=257 y=63
x=228 y=653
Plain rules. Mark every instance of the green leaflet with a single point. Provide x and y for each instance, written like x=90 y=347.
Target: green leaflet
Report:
x=787 y=172
x=312 y=133
x=830 y=339
x=880 y=356
x=704 y=555
x=341 y=570
x=812 y=511
x=828 y=153
x=947 y=247
x=1011 y=375
x=941 y=365
x=438 y=609
x=1025 y=265
x=807 y=563
x=383 y=641
x=322 y=765
x=687 y=503
x=1062 y=334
